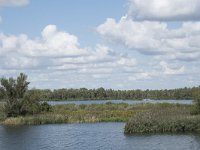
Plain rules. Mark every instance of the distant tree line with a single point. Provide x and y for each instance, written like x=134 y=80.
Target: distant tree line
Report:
x=110 y=94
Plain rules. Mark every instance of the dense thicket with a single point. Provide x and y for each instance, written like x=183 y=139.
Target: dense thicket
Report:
x=101 y=93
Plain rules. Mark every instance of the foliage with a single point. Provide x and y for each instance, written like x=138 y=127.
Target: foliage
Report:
x=19 y=101
x=30 y=104
x=2 y=115
x=45 y=107
x=109 y=94
x=14 y=90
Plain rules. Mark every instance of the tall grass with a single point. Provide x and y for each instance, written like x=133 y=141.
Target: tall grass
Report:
x=71 y=113
x=168 y=119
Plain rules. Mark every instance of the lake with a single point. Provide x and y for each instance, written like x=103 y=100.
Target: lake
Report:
x=147 y=101
x=91 y=136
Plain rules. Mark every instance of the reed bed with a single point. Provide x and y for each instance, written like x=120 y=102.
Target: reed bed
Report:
x=71 y=113
x=169 y=119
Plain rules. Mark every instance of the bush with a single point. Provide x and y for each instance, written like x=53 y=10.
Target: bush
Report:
x=45 y=107
x=12 y=110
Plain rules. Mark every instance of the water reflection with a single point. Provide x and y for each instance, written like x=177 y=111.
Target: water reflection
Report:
x=165 y=141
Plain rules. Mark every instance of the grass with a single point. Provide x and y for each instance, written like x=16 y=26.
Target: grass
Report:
x=140 y=114
x=71 y=113
x=161 y=120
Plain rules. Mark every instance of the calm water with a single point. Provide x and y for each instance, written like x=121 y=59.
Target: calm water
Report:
x=78 y=102
x=106 y=136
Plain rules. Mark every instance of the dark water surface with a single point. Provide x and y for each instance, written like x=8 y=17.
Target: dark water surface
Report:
x=96 y=136
x=79 y=102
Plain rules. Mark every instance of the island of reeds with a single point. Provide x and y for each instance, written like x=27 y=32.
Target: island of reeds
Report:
x=22 y=106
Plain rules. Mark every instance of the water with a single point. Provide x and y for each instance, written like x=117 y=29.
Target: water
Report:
x=78 y=102
x=96 y=136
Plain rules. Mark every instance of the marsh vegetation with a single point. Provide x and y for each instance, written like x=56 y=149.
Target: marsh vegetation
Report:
x=109 y=112
x=164 y=120
x=23 y=107
x=168 y=119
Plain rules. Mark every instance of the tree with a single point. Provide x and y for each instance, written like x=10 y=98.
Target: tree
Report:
x=19 y=101
x=14 y=90
x=30 y=103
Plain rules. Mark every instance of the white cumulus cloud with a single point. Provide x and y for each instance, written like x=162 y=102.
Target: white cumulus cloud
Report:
x=59 y=51
x=163 y=50
x=173 y=10
x=154 y=38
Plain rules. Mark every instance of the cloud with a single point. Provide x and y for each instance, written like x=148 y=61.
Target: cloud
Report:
x=56 y=59
x=134 y=35
x=56 y=51
x=154 y=38
x=171 y=70
x=1 y=19
x=7 y=3
x=140 y=76
x=52 y=43
x=165 y=52
x=163 y=10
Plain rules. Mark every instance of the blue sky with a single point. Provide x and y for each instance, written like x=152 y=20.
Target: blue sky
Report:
x=120 y=44
x=77 y=17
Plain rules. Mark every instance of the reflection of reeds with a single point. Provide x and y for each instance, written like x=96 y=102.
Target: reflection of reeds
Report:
x=171 y=119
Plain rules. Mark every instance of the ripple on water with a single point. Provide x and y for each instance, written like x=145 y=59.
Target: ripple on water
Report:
x=89 y=137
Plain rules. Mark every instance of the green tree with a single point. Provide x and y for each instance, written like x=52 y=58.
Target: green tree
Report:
x=30 y=103
x=14 y=90
x=19 y=101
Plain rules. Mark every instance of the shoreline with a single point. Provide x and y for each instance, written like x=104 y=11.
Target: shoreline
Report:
x=139 y=118
x=97 y=113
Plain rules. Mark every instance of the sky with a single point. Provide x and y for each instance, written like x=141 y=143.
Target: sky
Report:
x=118 y=44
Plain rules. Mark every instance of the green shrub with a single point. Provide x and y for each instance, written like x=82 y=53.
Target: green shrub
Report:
x=45 y=107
